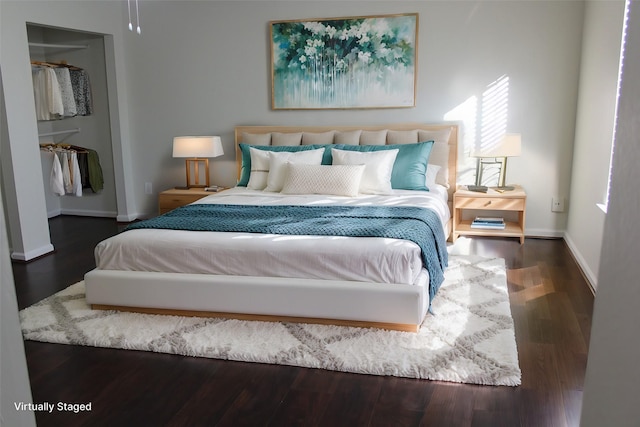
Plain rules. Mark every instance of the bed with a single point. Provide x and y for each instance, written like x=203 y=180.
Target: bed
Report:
x=344 y=280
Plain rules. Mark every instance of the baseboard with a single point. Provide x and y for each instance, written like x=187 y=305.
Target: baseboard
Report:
x=87 y=212
x=588 y=274
x=544 y=233
x=54 y=213
x=128 y=218
x=32 y=254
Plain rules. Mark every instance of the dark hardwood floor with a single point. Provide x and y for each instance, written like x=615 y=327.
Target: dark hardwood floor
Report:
x=550 y=301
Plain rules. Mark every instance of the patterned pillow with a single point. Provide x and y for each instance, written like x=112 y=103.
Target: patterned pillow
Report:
x=339 y=180
x=278 y=165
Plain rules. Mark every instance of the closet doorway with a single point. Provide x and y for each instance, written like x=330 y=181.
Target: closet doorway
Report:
x=89 y=128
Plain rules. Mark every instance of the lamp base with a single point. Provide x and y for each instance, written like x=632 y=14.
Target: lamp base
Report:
x=195 y=162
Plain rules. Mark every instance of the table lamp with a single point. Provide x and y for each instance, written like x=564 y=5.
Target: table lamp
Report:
x=509 y=145
x=196 y=150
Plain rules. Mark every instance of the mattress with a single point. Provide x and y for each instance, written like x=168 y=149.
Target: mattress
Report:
x=378 y=260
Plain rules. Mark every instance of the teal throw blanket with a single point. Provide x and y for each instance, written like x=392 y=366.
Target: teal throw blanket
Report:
x=418 y=225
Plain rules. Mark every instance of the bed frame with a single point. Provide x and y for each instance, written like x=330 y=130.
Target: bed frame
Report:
x=388 y=306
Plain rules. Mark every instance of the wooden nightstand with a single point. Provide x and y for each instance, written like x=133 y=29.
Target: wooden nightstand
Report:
x=174 y=198
x=513 y=200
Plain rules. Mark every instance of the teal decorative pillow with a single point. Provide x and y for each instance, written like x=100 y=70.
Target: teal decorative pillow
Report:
x=410 y=166
x=245 y=170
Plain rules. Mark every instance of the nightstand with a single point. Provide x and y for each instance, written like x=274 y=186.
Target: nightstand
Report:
x=174 y=198
x=512 y=200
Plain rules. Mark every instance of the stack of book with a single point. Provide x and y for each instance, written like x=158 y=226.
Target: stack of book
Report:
x=485 y=222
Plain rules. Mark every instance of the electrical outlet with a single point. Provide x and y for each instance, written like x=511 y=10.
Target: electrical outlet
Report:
x=557 y=204
x=148 y=188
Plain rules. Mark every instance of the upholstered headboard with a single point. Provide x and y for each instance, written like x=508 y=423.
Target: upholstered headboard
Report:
x=444 y=152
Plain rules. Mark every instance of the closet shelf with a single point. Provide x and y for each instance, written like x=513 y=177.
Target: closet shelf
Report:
x=60 y=132
x=59 y=46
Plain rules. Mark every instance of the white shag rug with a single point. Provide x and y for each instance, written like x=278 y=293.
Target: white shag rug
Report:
x=469 y=338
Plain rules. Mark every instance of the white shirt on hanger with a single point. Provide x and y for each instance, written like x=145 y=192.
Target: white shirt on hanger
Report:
x=56 y=181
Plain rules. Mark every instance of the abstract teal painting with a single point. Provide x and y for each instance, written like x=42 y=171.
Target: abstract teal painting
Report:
x=354 y=62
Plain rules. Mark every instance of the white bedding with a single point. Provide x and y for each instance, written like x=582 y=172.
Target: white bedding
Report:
x=248 y=254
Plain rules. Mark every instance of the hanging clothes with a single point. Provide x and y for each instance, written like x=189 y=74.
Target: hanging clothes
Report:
x=66 y=91
x=83 y=164
x=81 y=91
x=66 y=172
x=60 y=90
x=38 y=75
x=56 y=181
x=76 y=181
x=73 y=169
x=95 y=171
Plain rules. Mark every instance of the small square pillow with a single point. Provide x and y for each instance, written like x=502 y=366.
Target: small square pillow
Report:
x=289 y=139
x=323 y=138
x=259 y=169
x=278 y=162
x=256 y=138
x=351 y=137
x=373 y=137
x=376 y=178
x=339 y=180
x=402 y=137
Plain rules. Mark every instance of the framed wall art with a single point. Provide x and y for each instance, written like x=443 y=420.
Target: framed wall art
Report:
x=354 y=62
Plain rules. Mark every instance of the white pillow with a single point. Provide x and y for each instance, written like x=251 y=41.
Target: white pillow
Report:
x=376 y=178
x=339 y=180
x=259 y=169
x=278 y=161
x=432 y=173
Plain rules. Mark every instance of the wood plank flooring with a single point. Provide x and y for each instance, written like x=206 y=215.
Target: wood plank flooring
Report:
x=550 y=301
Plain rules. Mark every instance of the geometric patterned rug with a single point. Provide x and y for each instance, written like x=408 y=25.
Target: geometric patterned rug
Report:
x=469 y=337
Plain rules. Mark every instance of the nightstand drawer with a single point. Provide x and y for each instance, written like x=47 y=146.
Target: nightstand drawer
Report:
x=490 y=203
x=174 y=198
x=175 y=201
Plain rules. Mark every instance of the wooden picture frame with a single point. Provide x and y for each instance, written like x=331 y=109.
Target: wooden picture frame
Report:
x=343 y=63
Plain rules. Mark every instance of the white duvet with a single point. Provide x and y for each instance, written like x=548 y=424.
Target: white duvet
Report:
x=379 y=260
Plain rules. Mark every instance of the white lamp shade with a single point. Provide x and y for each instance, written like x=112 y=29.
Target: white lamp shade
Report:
x=507 y=146
x=197 y=146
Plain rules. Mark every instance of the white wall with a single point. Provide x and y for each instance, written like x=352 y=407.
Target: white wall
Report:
x=22 y=178
x=613 y=374
x=203 y=67
x=594 y=131
x=14 y=378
